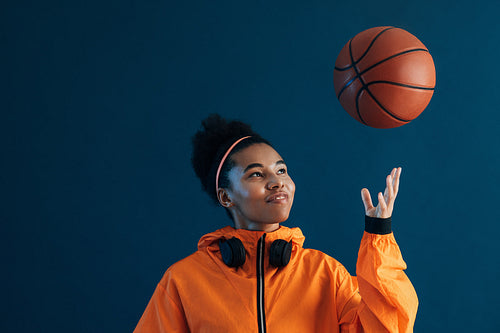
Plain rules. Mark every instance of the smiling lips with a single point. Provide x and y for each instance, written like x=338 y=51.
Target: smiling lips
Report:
x=277 y=198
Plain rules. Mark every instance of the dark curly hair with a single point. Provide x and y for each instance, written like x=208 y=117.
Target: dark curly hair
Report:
x=211 y=143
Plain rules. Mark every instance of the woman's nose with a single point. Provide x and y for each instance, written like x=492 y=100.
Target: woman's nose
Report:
x=275 y=183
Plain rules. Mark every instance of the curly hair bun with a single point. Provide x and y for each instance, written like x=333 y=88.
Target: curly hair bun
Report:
x=211 y=142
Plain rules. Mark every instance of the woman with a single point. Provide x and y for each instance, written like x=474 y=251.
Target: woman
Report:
x=256 y=276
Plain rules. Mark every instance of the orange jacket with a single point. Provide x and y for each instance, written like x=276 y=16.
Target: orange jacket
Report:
x=313 y=293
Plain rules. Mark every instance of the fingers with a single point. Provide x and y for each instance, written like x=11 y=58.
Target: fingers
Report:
x=382 y=203
x=367 y=200
x=386 y=200
x=382 y=211
x=392 y=191
x=392 y=183
x=396 y=181
x=389 y=189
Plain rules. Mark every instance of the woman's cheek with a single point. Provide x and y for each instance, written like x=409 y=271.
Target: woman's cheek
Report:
x=291 y=186
x=255 y=192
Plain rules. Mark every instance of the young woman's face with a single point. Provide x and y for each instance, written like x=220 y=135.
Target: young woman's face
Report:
x=261 y=191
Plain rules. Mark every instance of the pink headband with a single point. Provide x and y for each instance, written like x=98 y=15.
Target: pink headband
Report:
x=224 y=159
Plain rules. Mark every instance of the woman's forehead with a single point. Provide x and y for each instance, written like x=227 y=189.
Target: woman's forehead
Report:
x=259 y=153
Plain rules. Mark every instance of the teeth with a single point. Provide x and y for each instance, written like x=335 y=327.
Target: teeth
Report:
x=279 y=197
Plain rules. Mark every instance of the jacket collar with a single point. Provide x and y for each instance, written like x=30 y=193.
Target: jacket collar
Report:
x=250 y=238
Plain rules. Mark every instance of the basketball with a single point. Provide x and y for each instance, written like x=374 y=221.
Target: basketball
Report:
x=384 y=77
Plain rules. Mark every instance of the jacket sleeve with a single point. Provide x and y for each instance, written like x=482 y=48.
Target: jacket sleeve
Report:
x=381 y=298
x=163 y=312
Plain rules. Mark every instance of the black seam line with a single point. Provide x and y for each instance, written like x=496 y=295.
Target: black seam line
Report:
x=361 y=80
x=357 y=105
x=346 y=85
x=365 y=87
x=376 y=64
x=401 y=85
x=393 y=56
x=366 y=51
x=261 y=317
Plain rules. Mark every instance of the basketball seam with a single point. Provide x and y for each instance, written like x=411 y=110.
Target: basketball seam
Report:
x=366 y=51
x=383 y=108
x=357 y=105
x=358 y=75
x=392 y=57
x=360 y=79
x=365 y=87
x=396 y=84
x=401 y=85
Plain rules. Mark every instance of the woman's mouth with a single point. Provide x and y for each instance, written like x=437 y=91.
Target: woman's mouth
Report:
x=277 y=198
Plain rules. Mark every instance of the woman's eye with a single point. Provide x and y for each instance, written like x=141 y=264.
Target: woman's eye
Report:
x=256 y=174
x=282 y=171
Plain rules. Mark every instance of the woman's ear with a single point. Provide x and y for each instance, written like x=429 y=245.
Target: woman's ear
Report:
x=224 y=198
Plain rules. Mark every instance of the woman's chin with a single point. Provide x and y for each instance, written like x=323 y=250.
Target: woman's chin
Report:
x=279 y=218
x=273 y=219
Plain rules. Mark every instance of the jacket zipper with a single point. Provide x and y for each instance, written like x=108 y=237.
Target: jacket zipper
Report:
x=261 y=316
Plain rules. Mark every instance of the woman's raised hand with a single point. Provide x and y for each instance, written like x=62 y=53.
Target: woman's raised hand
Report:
x=385 y=201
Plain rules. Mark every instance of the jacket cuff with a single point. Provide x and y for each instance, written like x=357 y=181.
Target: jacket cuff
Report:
x=379 y=226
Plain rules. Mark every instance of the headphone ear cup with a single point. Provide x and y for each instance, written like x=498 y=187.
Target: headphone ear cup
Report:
x=280 y=253
x=232 y=251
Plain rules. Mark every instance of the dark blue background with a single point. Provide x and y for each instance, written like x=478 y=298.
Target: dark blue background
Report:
x=100 y=99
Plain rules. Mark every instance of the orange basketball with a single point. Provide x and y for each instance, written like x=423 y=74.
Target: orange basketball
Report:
x=384 y=77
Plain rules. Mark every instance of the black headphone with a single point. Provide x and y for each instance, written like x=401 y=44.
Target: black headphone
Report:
x=234 y=255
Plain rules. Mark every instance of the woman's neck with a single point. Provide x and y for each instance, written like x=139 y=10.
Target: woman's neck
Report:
x=255 y=226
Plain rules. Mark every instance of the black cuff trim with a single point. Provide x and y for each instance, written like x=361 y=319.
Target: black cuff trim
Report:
x=379 y=226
